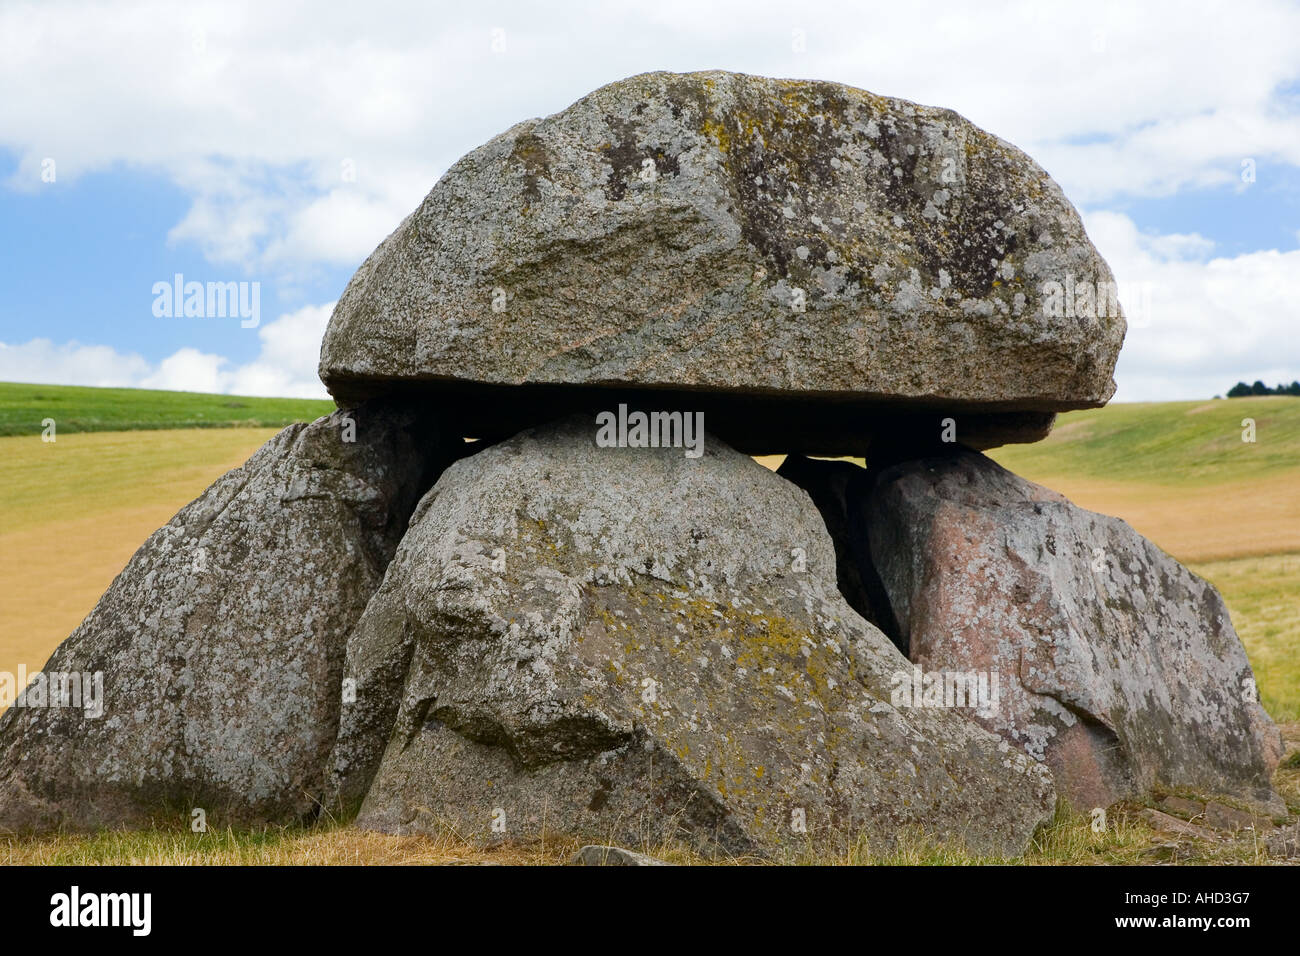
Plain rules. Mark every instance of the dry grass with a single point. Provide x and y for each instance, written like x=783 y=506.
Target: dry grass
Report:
x=1070 y=840
x=323 y=846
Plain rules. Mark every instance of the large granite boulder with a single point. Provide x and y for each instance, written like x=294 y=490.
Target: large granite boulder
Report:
x=219 y=649
x=805 y=262
x=635 y=645
x=1118 y=666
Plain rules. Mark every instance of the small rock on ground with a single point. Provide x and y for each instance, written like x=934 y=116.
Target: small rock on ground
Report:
x=595 y=855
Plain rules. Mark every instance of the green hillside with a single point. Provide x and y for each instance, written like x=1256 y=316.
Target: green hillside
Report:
x=1169 y=443
x=80 y=409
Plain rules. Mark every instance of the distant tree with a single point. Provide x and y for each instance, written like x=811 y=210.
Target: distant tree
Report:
x=1259 y=388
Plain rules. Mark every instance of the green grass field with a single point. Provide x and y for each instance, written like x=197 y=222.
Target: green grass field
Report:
x=73 y=511
x=1175 y=444
x=76 y=409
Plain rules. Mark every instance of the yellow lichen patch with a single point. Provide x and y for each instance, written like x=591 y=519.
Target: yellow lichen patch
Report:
x=717 y=132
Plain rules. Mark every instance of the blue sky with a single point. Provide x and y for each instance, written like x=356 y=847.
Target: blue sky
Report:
x=280 y=143
x=111 y=227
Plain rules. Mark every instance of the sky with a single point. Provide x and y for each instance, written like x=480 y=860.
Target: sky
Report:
x=279 y=143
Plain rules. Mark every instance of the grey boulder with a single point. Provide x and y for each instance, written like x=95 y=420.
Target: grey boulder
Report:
x=638 y=646
x=593 y=855
x=1117 y=666
x=807 y=263
x=220 y=647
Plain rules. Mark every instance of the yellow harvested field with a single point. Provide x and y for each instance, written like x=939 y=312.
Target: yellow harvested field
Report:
x=1253 y=516
x=72 y=512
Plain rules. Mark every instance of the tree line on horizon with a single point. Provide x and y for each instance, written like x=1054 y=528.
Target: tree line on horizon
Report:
x=1241 y=389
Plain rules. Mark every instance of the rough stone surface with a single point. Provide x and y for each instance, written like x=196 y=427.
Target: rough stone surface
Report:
x=639 y=646
x=739 y=244
x=1223 y=817
x=1183 y=807
x=221 y=644
x=1284 y=842
x=593 y=855
x=1164 y=823
x=1117 y=665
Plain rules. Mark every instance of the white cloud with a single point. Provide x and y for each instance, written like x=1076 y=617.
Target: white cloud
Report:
x=286 y=364
x=342 y=227
x=1198 y=323
x=72 y=363
x=253 y=108
x=303 y=133
x=1181 y=153
x=284 y=367
x=187 y=370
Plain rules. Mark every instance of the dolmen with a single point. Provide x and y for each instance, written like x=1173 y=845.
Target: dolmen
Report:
x=528 y=578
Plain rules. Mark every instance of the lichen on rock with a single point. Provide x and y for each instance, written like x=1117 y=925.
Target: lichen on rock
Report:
x=714 y=235
x=633 y=643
